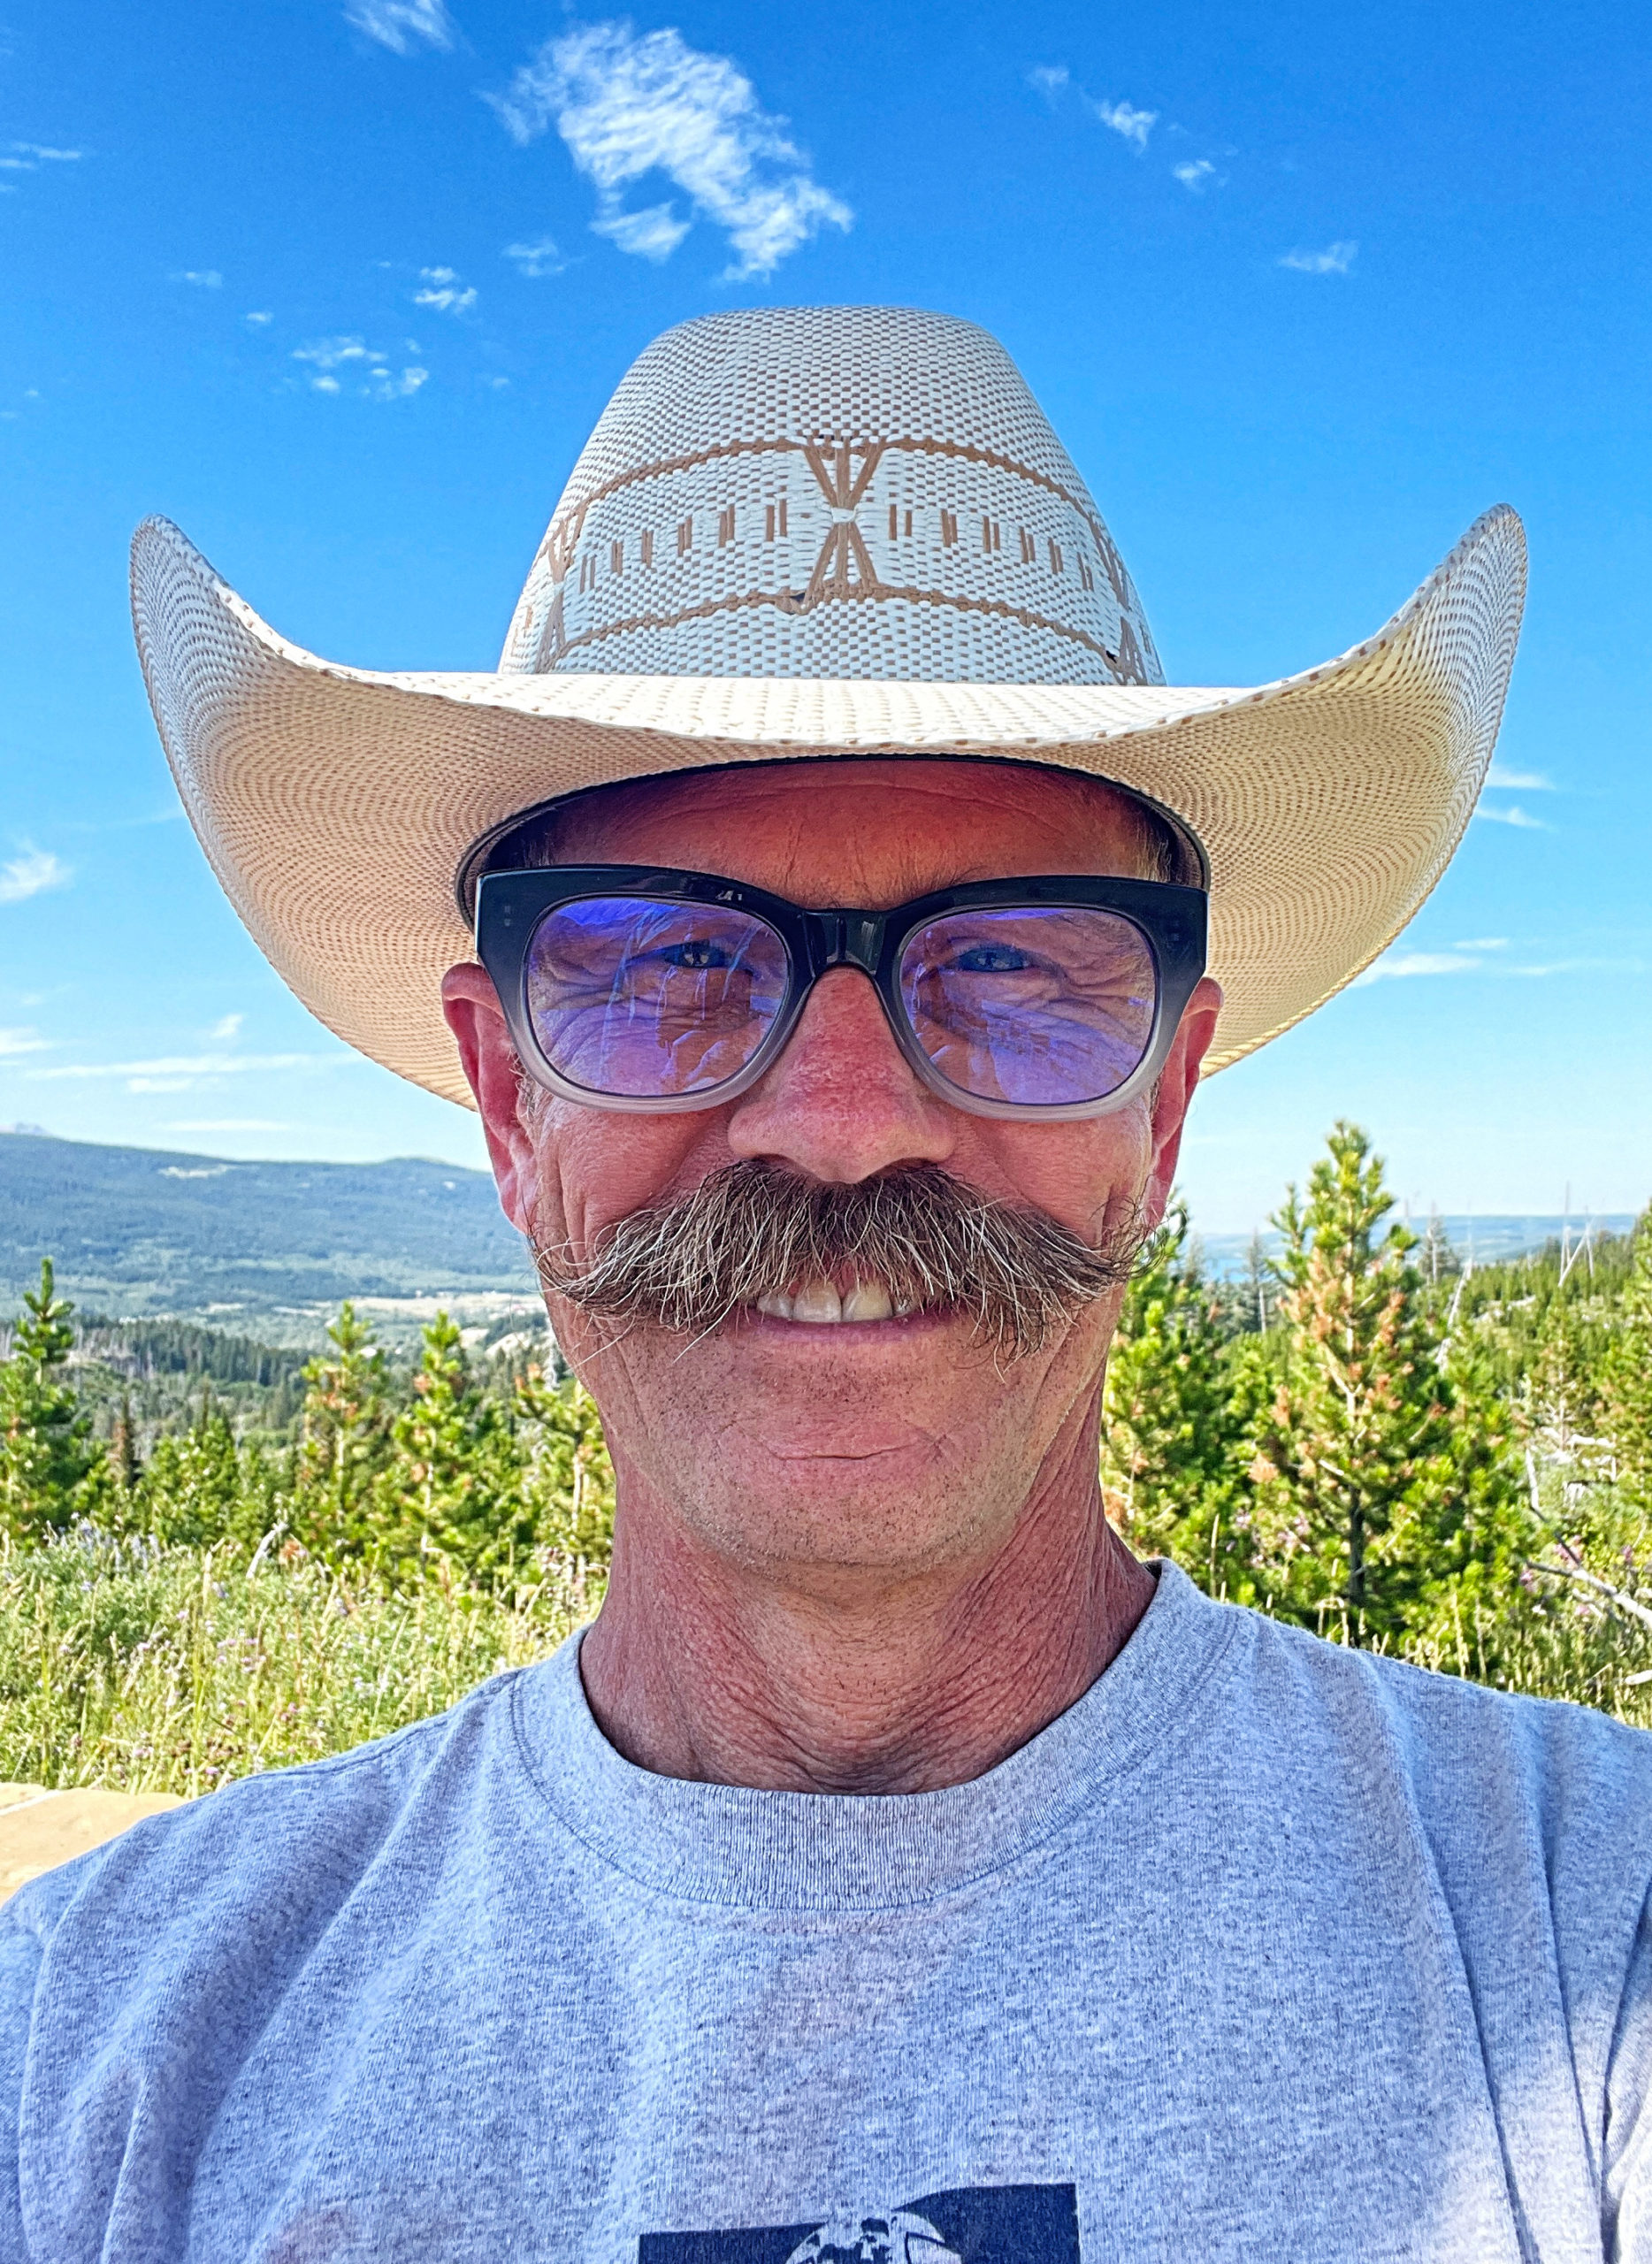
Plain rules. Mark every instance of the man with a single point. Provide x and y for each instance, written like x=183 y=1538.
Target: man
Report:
x=898 y=1870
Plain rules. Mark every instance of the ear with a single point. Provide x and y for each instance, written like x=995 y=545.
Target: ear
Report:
x=494 y=1074
x=1176 y=1083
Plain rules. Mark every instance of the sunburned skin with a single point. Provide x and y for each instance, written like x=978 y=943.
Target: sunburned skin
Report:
x=855 y=1549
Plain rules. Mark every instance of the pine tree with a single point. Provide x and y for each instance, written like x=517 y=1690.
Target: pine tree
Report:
x=1561 y=1398
x=346 y=1441
x=1260 y=1285
x=192 y=1491
x=125 y=1466
x=453 y=1487
x=1628 y=1378
x=49 y=1462
x=1353 y=1463
x=1168 y=1429
x=569 y=1484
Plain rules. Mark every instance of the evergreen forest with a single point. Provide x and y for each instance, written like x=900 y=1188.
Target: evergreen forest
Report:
x=217 y=1557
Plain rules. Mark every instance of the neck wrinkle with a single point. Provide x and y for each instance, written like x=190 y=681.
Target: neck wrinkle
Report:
x=831 y=1682
x=813 y=1855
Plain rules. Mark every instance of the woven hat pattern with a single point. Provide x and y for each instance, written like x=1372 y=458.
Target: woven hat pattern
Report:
x=341 y=807
x=838 y=492
x=336 y=803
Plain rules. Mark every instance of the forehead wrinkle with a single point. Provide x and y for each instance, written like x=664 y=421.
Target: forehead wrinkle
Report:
x=805 y=828
x=874 y=875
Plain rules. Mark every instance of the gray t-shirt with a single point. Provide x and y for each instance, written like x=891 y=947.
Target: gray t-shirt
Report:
x=1264 y=1950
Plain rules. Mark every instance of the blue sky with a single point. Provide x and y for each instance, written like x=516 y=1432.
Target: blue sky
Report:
x=341 y=289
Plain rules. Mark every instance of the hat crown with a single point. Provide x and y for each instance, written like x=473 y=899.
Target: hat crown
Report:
x=829 y=492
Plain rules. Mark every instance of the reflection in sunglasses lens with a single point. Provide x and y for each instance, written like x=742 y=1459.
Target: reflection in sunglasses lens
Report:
x=644 y=998
x=1044 y=1006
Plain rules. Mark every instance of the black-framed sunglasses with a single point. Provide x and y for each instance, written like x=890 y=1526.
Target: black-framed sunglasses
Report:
x=640 y=988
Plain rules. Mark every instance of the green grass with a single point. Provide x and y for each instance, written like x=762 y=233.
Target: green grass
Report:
x=159 y=1670
x=148 y=1668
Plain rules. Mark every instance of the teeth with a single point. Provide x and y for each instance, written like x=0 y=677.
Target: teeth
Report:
x=867 y=1301
x=818 y=1304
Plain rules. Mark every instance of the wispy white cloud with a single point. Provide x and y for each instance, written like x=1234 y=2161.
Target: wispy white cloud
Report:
x=535 y=259
x=1049 y=79
x=393 y=385
x=1395 y=964
x=335 y=353
x=1484 y=944
x=1196 y=175
x=1577 y=966
x=32 y=873
x=260 y=318
x=1336 y=259
x=326 y=356
x=226 y=1027
x=654 y=233
x=1053 y=80
x=1513 y=815
x=1134 y=125
x=1466 y=960
x=401 y=25
x=29 y=156
x=204 y=278
x=627 y=106
x=445 y=290
x=1530 y=782
x=172 y=816
x=16 y=1042
x=180 y=1072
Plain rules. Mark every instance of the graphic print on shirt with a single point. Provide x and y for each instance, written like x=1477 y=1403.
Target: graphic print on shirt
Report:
x=977 y=2224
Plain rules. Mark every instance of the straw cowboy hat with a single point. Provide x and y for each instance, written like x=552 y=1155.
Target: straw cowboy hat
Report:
x=802 y=531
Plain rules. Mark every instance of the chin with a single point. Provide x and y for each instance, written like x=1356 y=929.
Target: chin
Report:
x=893 y=1512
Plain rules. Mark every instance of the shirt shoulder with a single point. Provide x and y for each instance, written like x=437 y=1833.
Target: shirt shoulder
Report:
x=1476 y=1764
x=149 y=1968
x=1525 y=1824
x=273 y=1854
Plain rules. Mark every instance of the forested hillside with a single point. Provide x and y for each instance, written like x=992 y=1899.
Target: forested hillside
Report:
x=216 y=1556
x=139 y=1231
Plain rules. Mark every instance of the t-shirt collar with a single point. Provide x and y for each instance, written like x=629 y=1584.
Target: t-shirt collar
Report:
x=825 y=1851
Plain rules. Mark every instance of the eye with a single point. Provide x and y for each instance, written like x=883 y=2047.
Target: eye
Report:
x=697 y=953
x=991 y=959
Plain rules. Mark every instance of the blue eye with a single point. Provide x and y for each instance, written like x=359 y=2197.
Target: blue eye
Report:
x=991 y=959
x=697 y=953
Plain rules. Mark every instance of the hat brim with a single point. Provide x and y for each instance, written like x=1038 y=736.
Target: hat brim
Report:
x=336 y=805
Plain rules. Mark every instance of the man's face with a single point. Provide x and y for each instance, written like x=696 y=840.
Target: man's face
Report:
x=899 y=1444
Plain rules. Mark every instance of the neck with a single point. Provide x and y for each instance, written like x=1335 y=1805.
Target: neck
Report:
x=803 y=1679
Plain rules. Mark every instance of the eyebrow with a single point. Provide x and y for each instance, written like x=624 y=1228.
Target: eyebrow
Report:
x=536 y=841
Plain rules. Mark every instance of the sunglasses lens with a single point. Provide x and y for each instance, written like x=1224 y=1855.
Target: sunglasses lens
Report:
x=644 y=999
x=1042 y=1007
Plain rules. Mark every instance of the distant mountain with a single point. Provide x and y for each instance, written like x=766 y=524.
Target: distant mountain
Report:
x=1485 y=1237
x=272 y=1249
x=135 y=1231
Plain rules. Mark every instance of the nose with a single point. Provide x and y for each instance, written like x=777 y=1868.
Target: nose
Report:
x=842 y=1103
